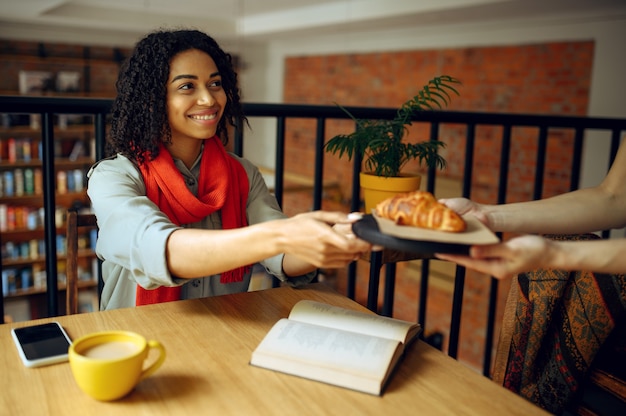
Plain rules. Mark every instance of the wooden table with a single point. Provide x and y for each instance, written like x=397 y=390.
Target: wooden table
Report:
x=209 y=343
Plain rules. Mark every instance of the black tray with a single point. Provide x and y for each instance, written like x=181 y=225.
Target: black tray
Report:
x=367 y=229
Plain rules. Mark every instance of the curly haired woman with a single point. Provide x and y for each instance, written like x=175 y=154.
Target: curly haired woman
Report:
x=178 y=216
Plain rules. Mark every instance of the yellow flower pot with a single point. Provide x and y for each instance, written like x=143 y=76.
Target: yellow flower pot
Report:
x=378 y=188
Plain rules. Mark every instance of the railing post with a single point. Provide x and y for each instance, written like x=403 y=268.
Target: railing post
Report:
x=279 y=172
x=505 y=153
x=49 y=203
x=425 y=266
x=459 y=280
x=542 y=145
x=238 y=138
x=318 y=174
x=355 y=206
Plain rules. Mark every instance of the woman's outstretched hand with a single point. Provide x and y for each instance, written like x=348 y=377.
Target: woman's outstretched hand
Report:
x=506 y=259
x=325 y=239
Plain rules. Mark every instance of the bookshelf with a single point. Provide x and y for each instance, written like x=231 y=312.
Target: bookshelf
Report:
x=48 y=69
x=22 y=213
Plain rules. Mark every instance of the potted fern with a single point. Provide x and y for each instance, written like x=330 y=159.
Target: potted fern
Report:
x=382 y=146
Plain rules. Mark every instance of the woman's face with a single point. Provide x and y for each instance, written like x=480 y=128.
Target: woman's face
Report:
x=195 y=97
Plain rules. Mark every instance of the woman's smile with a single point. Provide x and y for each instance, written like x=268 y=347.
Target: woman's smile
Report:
x=204 y=116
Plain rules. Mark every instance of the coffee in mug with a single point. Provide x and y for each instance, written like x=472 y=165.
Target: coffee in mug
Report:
x=111 y=350
x=108 y=365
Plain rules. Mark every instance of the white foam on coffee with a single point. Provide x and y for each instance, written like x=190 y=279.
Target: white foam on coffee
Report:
x=111 y=350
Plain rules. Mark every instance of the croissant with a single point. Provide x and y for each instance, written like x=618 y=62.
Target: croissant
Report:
x=420 y=209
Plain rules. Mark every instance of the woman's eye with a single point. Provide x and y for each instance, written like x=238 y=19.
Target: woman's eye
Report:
x=216 y=84
x=187 y=86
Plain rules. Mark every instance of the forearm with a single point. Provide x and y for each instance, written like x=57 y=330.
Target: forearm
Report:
x=293 y=266
x=602 y=256
x=581 y=211
x=193 y=253
x=307 y=240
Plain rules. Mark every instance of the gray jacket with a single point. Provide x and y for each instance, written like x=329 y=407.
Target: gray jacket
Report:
x=133 y=232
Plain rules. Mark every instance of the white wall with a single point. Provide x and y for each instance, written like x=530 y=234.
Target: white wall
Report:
x=608 y=88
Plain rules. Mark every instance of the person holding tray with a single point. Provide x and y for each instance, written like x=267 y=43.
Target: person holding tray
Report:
x=582 y=211
x=563 y=332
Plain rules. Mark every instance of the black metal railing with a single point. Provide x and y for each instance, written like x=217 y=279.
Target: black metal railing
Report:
x=471 y=120
x=99 y=108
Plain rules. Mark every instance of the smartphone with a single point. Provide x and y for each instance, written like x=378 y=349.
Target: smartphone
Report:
x=43 y=344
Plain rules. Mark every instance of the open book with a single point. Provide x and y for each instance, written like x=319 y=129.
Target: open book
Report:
x=356 y=350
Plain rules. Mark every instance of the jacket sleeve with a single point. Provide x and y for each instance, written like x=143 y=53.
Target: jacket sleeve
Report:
x=132 y=230
x=262 y=206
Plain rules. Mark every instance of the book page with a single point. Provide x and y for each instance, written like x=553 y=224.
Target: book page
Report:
x=348 y=320
x=329 y=355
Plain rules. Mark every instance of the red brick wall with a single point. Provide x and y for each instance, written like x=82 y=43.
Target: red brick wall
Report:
x=551 y=78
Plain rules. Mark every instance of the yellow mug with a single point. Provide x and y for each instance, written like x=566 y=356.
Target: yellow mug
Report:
x=108 y=365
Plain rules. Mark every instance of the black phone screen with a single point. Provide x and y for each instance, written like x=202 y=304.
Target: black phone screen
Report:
x=41 y=341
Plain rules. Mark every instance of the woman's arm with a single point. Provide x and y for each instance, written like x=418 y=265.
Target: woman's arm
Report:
x=138 y=236
x=308 y=241
x=261 y=207
x=585 y=210
x=533 y=252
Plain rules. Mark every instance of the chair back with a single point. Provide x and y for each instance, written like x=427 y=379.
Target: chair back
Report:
x=74 y=222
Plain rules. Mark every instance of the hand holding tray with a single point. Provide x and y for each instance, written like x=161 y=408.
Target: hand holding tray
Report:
x=386 y=233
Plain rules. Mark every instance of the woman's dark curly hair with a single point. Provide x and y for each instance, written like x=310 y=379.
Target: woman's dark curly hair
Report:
x=139 y=114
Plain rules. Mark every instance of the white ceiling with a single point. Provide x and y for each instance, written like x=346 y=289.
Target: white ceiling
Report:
x=122 y=22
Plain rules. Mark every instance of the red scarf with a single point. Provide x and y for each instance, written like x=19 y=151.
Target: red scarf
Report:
x=222 y=185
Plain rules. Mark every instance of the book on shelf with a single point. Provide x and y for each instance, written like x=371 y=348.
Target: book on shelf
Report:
x=338 y=346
